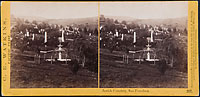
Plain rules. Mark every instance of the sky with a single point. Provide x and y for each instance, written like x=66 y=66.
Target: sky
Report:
x=55 y=10
x=64 y=10
x=145 y=10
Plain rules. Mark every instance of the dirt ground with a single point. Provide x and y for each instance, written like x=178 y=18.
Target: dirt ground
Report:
x=25 y=74
x=114 y=74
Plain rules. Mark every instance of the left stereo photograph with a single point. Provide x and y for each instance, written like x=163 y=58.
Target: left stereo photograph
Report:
x=54 y=45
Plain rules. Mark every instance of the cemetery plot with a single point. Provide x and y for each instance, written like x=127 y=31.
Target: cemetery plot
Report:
x=136 y=55
x=48 y=55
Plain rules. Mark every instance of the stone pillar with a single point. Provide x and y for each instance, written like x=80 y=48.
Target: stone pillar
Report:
x=27 y=33
x=63 y=36
x=134 y=37
x=148 y=55
x=117 y=34
x=45 y=37
x=151 y=35
x=33 y=37
x=122 y=37
x=59 y=55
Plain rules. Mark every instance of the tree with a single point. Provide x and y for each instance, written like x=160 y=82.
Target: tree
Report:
x=124 y=22
x=70 y=28
x=26 y=21
x=80 y=30
x=102 y=20
x=95 y=31
x=34 y=22
x=185 y=31
x=116 y=22
x=85 y=30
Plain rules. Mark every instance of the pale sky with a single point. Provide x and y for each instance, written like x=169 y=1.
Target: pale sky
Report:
x=55 y=10
x=145 y=10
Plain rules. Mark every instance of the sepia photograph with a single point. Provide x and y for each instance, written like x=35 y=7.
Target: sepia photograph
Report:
x=54 y=45
x=99 y=48
x=143 y=44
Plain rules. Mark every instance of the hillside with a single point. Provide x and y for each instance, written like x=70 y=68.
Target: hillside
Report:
x=180 y=23
x=92 y=21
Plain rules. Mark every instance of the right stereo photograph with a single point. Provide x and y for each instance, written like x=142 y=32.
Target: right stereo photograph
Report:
x=143 y=44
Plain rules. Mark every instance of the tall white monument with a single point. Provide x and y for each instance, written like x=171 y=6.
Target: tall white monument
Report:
x=45 y=37
x=134 y=37
x=117 y=33
x=59 y=53
x=33 y=36
x=60 y=50
x=63 y=40
x=148 y=53
x=122 y=37
x=151 y=35
x=27 y=33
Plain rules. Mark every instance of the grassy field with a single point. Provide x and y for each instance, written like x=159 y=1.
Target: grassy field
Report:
x=27 y=74
x=114 y=74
